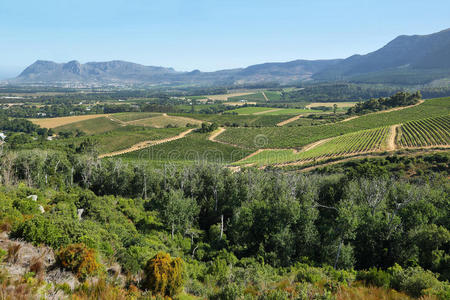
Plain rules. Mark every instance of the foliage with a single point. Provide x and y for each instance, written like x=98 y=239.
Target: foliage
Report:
x=78 y=259
x=164 y=275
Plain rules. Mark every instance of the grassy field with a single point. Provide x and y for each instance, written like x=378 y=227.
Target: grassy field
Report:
x=195 y=147
x=353 y=143
x=57 y=122
x=164 y=120
x=91 y=126
x=133 y=116
x=296 y=137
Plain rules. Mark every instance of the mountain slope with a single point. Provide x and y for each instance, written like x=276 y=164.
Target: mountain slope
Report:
x=403 y=55
x=413 y=59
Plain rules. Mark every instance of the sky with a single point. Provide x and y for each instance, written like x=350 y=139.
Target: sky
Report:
x=205 y=34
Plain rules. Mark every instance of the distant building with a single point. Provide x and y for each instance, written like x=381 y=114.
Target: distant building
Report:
x=2 y=136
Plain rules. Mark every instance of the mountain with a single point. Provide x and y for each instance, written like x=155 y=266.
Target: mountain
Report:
x=97 y=72
x=405 y=60
x=405 y=55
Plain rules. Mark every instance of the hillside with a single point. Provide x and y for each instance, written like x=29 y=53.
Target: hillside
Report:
x=412 y=59
x=404 y=54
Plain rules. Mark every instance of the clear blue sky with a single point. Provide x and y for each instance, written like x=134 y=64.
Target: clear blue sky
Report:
x=205 y=35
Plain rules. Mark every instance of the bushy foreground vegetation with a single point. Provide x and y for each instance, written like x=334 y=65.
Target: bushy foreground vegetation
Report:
x=251 y=234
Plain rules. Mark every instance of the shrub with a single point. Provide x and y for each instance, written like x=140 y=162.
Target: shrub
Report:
x=374 y=277
x=78 y=259
x=310 y=274
x=164 y=275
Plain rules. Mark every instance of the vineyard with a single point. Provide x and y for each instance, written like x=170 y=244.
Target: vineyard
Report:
x=296 y=137
x=423 y=133
x=345 y=145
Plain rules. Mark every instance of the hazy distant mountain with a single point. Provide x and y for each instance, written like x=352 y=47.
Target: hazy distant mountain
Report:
x=405 y=55
x=406 y=59
x=101 y=72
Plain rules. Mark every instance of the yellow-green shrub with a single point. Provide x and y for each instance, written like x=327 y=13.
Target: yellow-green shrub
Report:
x=79 y=259
x=164 y=275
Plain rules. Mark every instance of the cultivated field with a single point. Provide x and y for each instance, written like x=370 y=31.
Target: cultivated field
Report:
x=162 y=121
x=425 y=133
x=331 y=104
x=195 y=147
x=127 y=117
x=56 y=122
x=296 y=137
x=350 y=144
x=225 y=97
x=91 y=126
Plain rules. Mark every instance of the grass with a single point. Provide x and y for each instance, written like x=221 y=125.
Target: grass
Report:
x=91 y=126
x=296 y=137
x=195 y=147
x=163 y=121
x=352 y=143
x=132 y=116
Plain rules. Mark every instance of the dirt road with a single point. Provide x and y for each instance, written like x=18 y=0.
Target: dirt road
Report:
x=216 y=133
x=282 y=123
x=390 y=145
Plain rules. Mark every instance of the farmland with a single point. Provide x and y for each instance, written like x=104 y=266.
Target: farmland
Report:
x=162 y=121
x=296 y=137
x=424 y=133
x=127 y=117
x=91 y=126
x=258 y=97
x=345 y=145
x=195 y=147
x=125 y=137
x=238 y=120
x=57 y=122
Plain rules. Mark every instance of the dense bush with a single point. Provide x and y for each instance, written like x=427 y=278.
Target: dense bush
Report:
x=78 y=259
x=164 y=275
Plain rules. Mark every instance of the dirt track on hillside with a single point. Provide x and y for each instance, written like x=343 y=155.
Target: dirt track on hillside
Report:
x=266 y=111
x=146 y=144
x=282 y=123
x=390 y=145
x=213 y=136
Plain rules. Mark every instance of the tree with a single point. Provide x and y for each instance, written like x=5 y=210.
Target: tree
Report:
x=335 y=108
x=179 y=212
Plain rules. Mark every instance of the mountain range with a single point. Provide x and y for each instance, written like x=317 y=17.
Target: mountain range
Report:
x=416 y=59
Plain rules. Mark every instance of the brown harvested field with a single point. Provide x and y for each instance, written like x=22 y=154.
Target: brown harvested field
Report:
x=164 y=120
x=330 y=104
x=56 y=122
